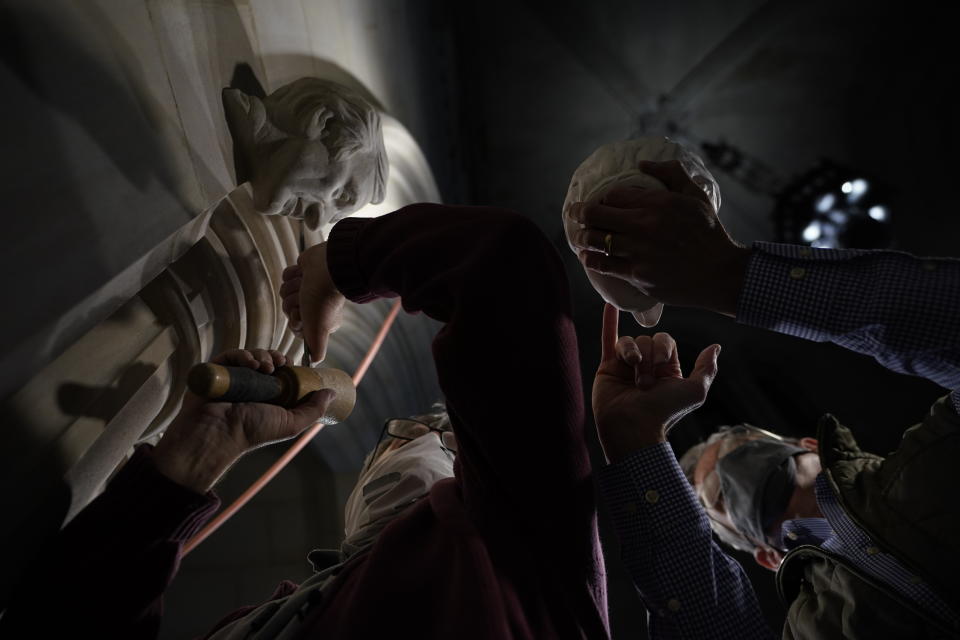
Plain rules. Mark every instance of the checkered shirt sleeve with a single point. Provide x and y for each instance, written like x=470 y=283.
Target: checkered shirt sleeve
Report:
x=898 y=308
x=691 y=588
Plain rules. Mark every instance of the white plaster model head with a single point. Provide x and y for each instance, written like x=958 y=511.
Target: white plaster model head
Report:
x=617 y=165
x=313 y=148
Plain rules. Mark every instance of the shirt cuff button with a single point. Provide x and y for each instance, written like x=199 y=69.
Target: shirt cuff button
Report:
x=797 y=273
x=872 y=551
x=651 y=496
x=673 y=605
x=929 y=266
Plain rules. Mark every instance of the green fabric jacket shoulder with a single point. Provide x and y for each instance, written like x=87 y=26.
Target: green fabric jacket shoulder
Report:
x=831 y=599
x=905 y=503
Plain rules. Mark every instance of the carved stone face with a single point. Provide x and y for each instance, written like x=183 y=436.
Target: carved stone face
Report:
x=313 y=150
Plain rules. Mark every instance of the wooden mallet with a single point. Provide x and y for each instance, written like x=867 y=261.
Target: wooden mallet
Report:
x=286 y=387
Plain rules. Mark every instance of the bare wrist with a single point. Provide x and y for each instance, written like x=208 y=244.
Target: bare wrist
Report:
x=618 y=446
x=731 y=273
x=193 y=462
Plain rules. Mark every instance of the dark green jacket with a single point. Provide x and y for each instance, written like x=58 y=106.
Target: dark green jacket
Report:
x=908 y=506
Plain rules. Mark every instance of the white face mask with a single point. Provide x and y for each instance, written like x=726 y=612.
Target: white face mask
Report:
x=394 y=481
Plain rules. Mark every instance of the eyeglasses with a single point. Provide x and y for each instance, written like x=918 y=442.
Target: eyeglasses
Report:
x=409 y=429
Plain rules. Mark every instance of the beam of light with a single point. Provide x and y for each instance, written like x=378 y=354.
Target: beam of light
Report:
x=812 y=232
x=857 y=188
x=825 y=202
x=838 y=217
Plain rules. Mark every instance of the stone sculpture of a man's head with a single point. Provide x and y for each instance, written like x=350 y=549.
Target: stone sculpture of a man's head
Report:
x=313 y=150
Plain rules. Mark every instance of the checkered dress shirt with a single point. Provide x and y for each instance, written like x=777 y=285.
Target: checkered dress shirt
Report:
x=901 y=310
x=691 y=588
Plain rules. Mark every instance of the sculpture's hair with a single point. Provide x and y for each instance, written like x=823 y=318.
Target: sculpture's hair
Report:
x=688 y=463
x=362 y=132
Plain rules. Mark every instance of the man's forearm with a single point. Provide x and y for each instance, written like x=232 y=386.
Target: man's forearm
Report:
x=113 y=561
x=619 y=444
x=726 y=285
x=692 y=589
x=506 y=359
x=895 y=307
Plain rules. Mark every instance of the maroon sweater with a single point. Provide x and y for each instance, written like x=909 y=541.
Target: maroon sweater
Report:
x=506 y=549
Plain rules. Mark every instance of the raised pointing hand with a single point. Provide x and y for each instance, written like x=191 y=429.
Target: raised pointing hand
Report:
x=639 y=391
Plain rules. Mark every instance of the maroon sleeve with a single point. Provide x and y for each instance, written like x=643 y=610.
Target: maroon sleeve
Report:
x=506 y=359
x=105 y=573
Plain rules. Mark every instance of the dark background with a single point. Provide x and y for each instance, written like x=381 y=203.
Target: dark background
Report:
x=506 y=98
x=541 y=85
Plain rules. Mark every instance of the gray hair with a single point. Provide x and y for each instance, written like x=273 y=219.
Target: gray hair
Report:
x=363 y=133
x=691 y=457
x=437 y=418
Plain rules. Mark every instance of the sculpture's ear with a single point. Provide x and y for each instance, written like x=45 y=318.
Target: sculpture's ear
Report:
x=246 y=118
x=317 y=122
x=767 y=557
x=245 y=114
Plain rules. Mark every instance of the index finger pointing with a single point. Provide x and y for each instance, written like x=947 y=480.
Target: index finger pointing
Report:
x=609 y=334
